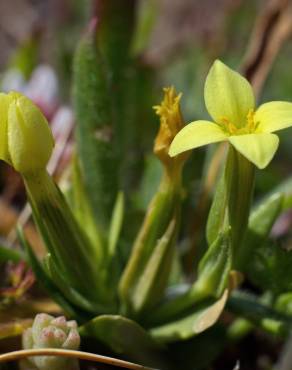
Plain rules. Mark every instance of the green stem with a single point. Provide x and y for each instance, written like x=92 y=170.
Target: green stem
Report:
x=239 y=177
x=248 y=306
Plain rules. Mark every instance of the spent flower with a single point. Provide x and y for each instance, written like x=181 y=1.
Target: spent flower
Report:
x=171 y=122
x=230 y=101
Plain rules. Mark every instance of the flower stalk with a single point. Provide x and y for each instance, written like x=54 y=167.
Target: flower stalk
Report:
x=239 y=177
x=153 y=249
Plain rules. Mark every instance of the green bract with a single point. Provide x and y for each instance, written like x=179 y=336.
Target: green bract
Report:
x=26 y=141
x=230 y=102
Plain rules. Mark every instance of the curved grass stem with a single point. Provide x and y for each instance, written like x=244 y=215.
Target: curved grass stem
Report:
x=18 y=355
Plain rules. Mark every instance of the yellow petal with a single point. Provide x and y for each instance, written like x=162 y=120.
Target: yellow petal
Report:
x=274 y=116
x=30 y=140
x=257 y=148
x=228 y=95
x=194 y=135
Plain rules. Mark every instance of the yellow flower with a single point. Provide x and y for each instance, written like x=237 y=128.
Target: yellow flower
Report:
x=230 y=102
x=26 y=141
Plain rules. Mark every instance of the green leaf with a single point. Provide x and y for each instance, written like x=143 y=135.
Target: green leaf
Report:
x=70 y=293
x=94 y=127
x=270 y=267
x=161 y=210
x=45 y=281
x=116 y=223
x=10 y=254
x=214 y=269
x=263 y=315
x=260 y=224
x=82 y=209
x=124 y=336
x=204 y=317
x=146 y=17
x=154 y=279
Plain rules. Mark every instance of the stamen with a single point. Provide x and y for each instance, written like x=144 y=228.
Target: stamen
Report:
x=251 y=125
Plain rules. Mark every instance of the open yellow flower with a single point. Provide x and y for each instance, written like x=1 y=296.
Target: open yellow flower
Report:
x=230 y=102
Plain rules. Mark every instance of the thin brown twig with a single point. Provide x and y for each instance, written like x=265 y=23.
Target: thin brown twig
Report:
x=18 y=355
x=272 y=29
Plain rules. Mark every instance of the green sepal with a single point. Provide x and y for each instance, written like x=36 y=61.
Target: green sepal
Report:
x=124 y=336
x=205 y=315
x=214 y=269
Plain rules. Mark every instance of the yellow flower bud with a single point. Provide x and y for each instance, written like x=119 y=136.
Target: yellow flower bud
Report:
x=26 y=141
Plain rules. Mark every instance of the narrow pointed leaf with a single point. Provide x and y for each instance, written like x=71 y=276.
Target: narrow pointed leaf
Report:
x=70 y=293
x=260 y=224
x=94 y=129
x=195 y=323
x=155 y=277
x=212 y=280
x=44 y=279
x=116 y=223
x=9 y=254
x=82 y=209
x=160 y=211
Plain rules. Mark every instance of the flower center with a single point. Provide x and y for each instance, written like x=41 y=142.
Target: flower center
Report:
x=230 y=128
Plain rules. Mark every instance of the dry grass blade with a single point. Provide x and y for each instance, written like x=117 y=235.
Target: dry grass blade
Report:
x=18 y=355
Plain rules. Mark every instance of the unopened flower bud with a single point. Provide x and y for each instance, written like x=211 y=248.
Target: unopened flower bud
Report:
x=26 y=141
x=50 y=332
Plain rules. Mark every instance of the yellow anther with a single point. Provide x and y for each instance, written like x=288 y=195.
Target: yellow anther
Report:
x=250 y=121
